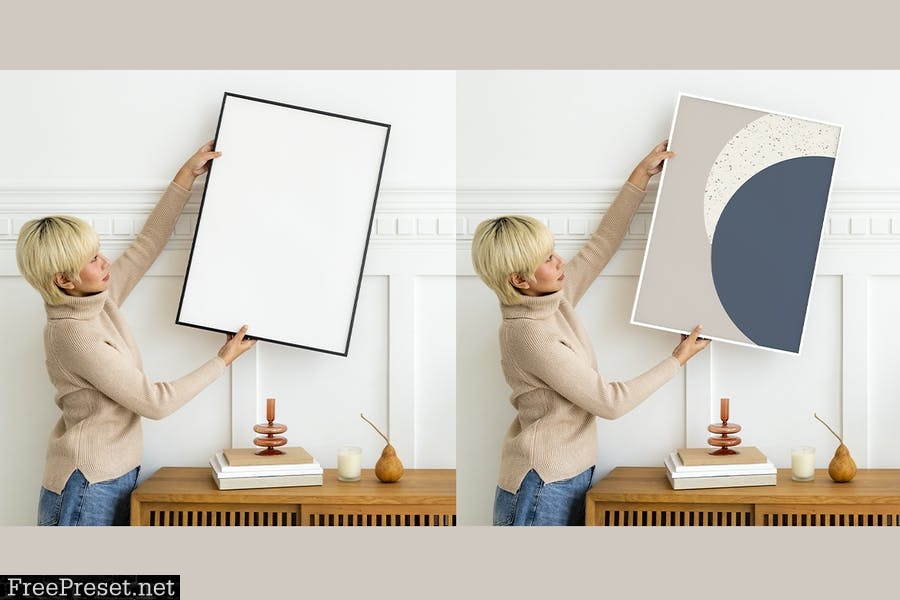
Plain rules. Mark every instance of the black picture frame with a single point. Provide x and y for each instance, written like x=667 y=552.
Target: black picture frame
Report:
x=284 y=224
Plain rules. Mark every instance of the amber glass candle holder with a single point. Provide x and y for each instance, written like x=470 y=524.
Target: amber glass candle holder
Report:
x=725 y=440
x=270 y=440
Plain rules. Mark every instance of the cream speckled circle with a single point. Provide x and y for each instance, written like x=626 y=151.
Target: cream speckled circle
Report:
x=768 y=140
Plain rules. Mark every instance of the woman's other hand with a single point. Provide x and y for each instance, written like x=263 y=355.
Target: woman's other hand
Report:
x=236 y=345
x=689 y=346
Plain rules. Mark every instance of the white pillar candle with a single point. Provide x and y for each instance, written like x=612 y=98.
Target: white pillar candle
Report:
x=349 y=463
x=803 y=463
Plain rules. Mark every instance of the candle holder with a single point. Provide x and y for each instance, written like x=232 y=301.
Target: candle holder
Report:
x=270 y=441
x=726 y=440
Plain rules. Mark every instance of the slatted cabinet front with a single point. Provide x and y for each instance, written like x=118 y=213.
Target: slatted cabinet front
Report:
x=187 y=497
x=642 y=496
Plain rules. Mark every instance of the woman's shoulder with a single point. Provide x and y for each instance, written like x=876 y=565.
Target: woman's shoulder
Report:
x=525 y=334
x=71 y=334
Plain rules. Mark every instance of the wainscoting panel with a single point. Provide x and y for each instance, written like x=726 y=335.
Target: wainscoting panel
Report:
x=399 y=371
x=846 y=372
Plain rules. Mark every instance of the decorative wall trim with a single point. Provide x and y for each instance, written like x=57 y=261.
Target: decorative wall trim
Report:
x=416 y=215
x=862 y=226
x=854 y=216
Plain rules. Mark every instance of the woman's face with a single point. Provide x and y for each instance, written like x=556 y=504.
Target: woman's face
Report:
x=548 y=278
x=94 y=277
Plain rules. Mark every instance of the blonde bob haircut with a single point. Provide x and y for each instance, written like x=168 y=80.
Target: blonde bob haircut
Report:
x=53 y=245
x=508 y=245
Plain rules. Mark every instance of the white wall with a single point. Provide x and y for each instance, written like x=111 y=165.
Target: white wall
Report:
x=104 y=144
x=558 y=144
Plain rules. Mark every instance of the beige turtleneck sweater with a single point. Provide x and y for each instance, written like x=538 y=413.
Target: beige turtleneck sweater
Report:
x=550 y=365
x=94 y=363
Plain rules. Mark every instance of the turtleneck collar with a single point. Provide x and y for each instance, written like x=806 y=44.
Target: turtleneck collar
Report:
x=533 y=307
x=81 y=308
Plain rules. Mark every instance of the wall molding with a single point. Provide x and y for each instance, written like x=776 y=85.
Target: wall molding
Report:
x=118 y=213
x=855 y=217
x=414 y=225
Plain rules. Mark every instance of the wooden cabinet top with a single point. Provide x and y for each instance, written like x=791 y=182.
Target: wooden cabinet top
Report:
x=649 y=484
x=195 y=484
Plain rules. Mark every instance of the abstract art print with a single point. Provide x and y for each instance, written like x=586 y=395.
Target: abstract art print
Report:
x=737 y=225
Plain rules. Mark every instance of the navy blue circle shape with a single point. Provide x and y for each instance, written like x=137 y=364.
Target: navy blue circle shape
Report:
x=765 y=246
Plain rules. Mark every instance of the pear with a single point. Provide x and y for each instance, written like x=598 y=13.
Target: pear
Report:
x=388 y=468
x=842 y=468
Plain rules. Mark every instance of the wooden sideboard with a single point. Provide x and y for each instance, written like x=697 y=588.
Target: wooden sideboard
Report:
x=640 y=496
x=187 y=496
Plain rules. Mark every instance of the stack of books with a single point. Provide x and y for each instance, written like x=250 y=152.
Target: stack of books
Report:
x=696 y=468
x=243 y=468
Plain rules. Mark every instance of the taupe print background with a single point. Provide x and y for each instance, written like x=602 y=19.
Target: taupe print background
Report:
x=676 y=290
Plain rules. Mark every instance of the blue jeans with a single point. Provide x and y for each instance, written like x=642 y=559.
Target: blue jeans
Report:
x=539 y=503
x=82 y=503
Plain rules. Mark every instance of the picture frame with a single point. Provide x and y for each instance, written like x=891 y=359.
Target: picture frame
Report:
x=284 y=224
x=738 y=222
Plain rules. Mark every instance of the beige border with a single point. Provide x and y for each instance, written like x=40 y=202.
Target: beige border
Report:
x=464 y=34
x=460 y=34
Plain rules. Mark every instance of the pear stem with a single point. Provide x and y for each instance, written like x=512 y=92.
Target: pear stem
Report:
x=378 y=430
x=829 y=428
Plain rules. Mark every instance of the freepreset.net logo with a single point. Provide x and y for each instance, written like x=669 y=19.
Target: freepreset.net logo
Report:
x=95 y=587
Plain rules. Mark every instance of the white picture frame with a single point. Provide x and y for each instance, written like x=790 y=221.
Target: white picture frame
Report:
x=738 y=222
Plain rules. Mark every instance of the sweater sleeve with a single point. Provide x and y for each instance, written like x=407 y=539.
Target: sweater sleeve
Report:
x=99 y=365
x=593 y=257
x=554 y=365
x=128 y=269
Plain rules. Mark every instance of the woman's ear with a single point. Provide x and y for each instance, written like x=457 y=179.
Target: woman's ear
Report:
x=63 y=282
x=517 y=281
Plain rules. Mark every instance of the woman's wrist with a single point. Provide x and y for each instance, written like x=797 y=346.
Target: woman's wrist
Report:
x=184 y=178
x=639 y=179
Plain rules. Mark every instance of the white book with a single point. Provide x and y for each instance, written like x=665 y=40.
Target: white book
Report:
x=678 y=470
x=270 y=481
x=224 y=470
x=721 y=481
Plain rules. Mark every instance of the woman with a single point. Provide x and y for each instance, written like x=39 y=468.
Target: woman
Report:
x=550 y=450
x=94 y=452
